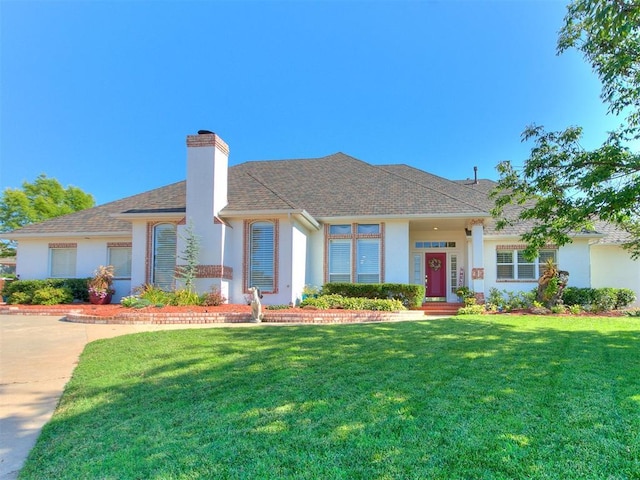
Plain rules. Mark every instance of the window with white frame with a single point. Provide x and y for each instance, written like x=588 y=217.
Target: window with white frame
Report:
x=354 y=253
x=120 y=258
x=62 y=262
x=512 y=265
x=453 y=272
x=164 y=256
x=339 y=260
x=262 y=256
x=368 y=256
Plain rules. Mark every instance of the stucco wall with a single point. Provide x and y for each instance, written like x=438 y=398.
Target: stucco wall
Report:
x=298 y=259
x=315 y=258
x=573 y=258
x=396 y=252
x=233 y=259
x=284 y=295
x=611 y=266
x=33 y=259
x=292 y=254
x=138 y=254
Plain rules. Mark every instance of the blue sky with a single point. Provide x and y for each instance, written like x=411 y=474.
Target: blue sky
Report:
x=101 y=94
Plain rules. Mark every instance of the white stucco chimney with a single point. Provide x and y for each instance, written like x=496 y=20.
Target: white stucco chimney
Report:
x=207 y=169
x=207 y=166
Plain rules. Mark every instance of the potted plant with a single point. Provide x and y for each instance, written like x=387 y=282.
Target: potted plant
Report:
x=464 y=293
x=100 y=286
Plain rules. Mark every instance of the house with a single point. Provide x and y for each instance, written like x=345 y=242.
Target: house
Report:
x=279 y=225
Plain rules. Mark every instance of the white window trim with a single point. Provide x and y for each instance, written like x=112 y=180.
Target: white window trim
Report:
x=516 y=265
x=153 y=255
x=272 y=259
x=52 y=251
x=110 y=249
x=353 y=238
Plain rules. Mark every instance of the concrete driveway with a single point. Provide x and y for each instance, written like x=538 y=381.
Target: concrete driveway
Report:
x=37 y=357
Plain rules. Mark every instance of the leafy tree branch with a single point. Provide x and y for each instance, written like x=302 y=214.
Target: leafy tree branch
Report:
x=563 y=189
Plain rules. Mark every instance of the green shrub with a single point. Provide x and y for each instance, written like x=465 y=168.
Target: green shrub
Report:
x=575 y=309
x=135 y=302
x=578 y=296
x=184 y=297
x=633 y=312
x=154 y=295
x=497 y=298
x=599 y=299
x=624 y=298
x=471 y=310
x=76 y=286
x=19 y=298
x=324 y=302
x=277 y=307
x=604 y=299
x=559 y=309
x=506 y=301
x=26 y=289
x=410 y=295
x=52 y=296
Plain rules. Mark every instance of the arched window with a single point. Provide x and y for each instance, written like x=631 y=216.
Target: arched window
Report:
x=262 y=255
x=164 y=256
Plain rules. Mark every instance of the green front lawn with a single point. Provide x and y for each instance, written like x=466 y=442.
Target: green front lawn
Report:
x=475 y=397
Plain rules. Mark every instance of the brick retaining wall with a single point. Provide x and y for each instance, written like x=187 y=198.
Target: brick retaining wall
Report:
x=270 y=316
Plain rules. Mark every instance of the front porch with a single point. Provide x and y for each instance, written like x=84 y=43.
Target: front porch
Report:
x=446 y=254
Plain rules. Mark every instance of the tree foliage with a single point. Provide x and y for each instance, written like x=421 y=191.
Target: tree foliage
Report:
x=562 y=187
x=41 y=200
x=187 y=272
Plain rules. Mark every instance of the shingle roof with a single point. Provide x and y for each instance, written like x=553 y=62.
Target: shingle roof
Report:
x=332 y=186
x=340 y=185
x=100 y=220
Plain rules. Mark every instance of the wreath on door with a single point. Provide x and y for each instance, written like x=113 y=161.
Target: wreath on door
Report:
x=435 y=264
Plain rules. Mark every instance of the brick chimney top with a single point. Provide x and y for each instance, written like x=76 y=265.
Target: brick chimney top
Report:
x=205 y=138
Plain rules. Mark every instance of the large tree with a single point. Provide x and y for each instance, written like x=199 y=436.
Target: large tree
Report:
x=563 y=188
x=43 y=199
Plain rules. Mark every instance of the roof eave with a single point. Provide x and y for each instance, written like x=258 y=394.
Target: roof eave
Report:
x=129 y=217
x=410 y=216
x=22 y=236
x=300 y=214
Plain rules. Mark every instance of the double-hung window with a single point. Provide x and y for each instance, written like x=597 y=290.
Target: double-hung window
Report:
x=164 y=255
x=354 y=253
x=340 y=260
x=262 y=256
x=120 y=257
x=511 y=264
x=62 y=261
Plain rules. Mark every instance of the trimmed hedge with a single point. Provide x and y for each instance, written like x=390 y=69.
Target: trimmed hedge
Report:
x=599 y=299
x=409 y=295
x=324 y=302
x=43 y=292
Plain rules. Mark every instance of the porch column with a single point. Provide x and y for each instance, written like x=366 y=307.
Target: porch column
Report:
x=477 y=265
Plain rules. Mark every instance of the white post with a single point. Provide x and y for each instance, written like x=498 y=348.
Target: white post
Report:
x=477 y=266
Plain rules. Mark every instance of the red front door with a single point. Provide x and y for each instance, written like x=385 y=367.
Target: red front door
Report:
x=436 y=275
